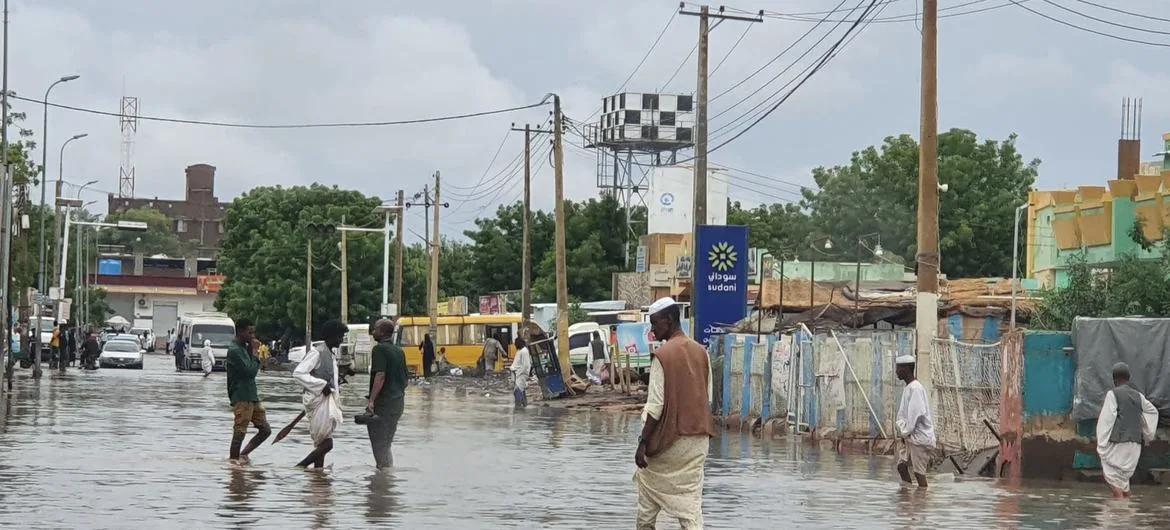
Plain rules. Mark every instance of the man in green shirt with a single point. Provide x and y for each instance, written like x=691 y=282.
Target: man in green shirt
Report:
x=387 y=392
x=242 y=366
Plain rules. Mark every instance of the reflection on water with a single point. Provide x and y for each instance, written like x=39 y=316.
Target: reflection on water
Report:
x=142 y=449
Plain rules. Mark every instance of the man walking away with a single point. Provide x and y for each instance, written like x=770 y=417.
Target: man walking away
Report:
x=915 y=424
x=491 y=353
x=678 y=425
x=208 y=360
x=180 y=350
x=317 y=374
x=242 y=367
x=90 y=351
x=1127 y=418
x=387 y=392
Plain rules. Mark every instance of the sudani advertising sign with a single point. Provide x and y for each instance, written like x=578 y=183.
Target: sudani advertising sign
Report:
x=721 y=279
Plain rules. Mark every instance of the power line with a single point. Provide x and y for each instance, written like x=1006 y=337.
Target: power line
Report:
x=653 y=45
x=825 y=58
x=236 y=125
x=507 y=133
x=746 y=29
x=774 y=59
x=1124 y=12
x=1020 y=4
x=1103 y=21
x=945 y=12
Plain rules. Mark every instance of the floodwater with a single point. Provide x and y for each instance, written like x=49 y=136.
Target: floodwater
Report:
x=143 y=449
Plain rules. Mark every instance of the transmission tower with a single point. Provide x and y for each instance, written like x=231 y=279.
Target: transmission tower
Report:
x=128 y=121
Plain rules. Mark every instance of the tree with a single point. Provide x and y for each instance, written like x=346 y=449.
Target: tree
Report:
x=878 y=192
x=597 y=242
x=25 y=174
x=99 y=308
x=1133 y=287
x=158 y=238
x=783 y=229
x=263 y=256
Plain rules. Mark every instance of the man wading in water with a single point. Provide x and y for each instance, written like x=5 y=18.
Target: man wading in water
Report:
x=317 y=374
x=915 y=424
x=678 y=425
x=1127 y=418
x=242 y=367
x=387 y=392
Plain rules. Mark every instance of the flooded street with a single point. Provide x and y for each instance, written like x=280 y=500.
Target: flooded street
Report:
x=136 y=449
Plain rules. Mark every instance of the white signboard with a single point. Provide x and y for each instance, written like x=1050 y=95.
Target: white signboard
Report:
x=671 y=200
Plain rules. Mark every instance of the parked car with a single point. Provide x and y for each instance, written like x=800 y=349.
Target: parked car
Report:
x=145 y=337
x=297 y=354
x=121 y=354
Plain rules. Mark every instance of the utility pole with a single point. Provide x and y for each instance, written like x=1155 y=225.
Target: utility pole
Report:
x=6 y=207
x=309 y=295
x=344 y=277
x=699 y=213
x=526 y=258
x=436 y=245
x=562 y=276
x=928 y=251
x=398 y=253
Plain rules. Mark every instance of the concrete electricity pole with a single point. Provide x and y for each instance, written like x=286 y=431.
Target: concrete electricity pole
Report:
x=928 y=251
x=6 y=207
x=398 y=253
x=699 y=213
x=344 y=277
x=433 y=283
x=562 y=276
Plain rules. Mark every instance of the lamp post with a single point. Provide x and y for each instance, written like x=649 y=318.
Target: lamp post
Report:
x=42 y=282
x=877 y=251
x=812 y=273
x=76 y=306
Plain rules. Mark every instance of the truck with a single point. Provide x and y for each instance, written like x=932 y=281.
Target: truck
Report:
x=195 y=328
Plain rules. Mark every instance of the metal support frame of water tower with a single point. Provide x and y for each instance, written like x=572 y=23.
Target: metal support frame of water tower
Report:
x=634 y=133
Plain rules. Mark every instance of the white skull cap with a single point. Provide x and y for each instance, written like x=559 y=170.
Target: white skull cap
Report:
x=661 y=304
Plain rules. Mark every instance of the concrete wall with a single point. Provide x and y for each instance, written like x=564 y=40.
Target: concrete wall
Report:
x=128 y=306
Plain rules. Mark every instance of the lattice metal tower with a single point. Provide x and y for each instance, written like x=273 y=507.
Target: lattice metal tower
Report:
x=128 y=120
x=635 y=133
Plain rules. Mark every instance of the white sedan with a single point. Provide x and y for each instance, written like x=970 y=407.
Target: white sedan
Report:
x=121 y=354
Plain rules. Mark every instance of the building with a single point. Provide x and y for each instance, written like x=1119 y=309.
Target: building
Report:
x=198 y=218
x=1098 y=220
x=157 y=289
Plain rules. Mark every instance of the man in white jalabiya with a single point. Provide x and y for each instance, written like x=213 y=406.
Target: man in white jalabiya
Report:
x=1127 y=418
x=521 y=373
x=208 y=361
x=915 y=424
x=317 y=374
x=678 y=426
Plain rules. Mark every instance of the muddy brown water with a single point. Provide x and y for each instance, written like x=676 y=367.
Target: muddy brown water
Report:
x=147 y=449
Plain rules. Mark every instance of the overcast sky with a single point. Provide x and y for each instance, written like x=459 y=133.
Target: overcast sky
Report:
x=286 y=61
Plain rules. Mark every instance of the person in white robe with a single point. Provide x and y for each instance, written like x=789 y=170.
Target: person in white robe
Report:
x=317 y=375
x=916 y=438
x=1127 y=421
x=208 y=360
x=521 y=369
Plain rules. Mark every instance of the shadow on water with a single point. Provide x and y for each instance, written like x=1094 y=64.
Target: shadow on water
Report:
x=147 y=449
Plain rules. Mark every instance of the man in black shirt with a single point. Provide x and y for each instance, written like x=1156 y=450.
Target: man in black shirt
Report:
x=387 y=392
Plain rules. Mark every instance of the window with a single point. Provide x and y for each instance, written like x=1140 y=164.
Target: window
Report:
x=666 y=118
x=685 y=103
x=474 y=333
x=412 y=335
x=580 y=340
x=448 y=335
x=180 y=226
x=633 y=117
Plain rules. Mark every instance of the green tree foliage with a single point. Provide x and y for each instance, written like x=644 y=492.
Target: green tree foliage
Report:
x=263 y=255
x=1134 y=287
x=783 y=229
x=99 y=308
x=159 y=237
x=595 y=249
x=878 y=192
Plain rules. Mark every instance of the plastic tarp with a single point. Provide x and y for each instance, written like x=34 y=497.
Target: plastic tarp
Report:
x=1142 y=343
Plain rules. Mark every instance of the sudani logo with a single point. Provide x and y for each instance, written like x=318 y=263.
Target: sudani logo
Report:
x=722 y=257
x=666 y=199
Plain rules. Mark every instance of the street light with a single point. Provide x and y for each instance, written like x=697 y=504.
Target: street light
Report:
x=41 y=274
x=857 y=282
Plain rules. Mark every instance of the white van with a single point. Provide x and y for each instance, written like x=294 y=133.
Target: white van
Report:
x=581 y=337
x=219 y=328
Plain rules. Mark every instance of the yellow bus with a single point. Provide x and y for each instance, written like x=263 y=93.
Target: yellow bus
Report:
x=460 y=338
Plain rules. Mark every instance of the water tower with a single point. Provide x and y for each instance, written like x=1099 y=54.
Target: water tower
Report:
x=634 y=133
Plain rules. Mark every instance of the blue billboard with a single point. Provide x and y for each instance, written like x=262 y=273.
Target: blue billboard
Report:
x=720 y=284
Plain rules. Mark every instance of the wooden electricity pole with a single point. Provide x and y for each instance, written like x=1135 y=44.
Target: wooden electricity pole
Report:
x=562 y=277
x=928 y=251
x=526 y=254
x=398 y=253
x=699 y=213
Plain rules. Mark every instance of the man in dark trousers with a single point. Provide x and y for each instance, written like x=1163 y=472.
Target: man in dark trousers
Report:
x=90 y=352
x=387 y=392
x=242 y=366
x=180 y=350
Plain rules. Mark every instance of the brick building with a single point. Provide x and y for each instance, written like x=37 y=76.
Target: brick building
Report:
x=197 y=218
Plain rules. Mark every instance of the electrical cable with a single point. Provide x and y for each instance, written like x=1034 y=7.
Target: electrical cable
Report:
x=1124 y=12
x=1103 y=21
x=1020 y=4
x=237 y=125
x=489 y=166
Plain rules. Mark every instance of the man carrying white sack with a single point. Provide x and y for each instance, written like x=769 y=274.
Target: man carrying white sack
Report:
x=317 y=374
x=1127 y=418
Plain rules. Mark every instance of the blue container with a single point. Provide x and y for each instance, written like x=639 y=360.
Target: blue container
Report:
x=110 y=267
